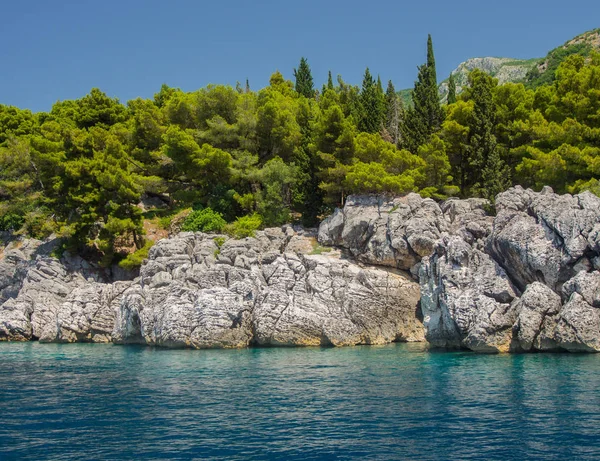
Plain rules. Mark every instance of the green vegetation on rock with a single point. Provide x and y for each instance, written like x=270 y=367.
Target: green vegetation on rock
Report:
x=205 y=220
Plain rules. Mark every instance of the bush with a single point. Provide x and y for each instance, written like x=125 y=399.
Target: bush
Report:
x=205 y=220
x=135 y=259
x=219 y=241
x=245 y=226
x=11 y=222
x=37 y=224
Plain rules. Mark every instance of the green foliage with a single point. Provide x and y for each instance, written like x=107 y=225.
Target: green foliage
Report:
x=394 y=114
x=536 y=78
x=319 y=249
x=287 y=152
x=205 y=220
x=134 y=260
x=98 y=109
x=437 y=164
x=372 y=105
x=11 y=222
x=244 y=226
x=451 y=90
x=304 y=80
x=426 y=116
x=273 y=201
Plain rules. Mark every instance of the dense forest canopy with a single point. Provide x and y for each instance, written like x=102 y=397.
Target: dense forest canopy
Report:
x=288 y=152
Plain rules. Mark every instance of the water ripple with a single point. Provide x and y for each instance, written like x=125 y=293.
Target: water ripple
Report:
x=67 y=402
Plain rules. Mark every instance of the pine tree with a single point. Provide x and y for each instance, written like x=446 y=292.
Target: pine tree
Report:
x=427 y=115
x=330 y=82
x=304 y=80
x=371 y=114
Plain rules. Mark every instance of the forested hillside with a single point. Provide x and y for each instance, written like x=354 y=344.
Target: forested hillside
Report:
x=289 y=151
x=544 y=72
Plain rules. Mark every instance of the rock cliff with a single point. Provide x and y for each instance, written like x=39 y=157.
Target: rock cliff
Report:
x=403 y=269
x=267 y=290
x=527 y=279
x=197 y=291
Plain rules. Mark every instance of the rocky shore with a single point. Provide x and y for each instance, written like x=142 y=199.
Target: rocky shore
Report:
x=379 y=270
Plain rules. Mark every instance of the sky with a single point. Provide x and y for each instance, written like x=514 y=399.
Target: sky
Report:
x=59 y=50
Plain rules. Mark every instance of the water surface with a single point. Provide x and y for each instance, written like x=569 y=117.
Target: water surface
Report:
x=84 y=401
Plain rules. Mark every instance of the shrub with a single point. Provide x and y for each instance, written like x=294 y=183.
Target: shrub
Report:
x=205 y=220
x=136 y=258
x=245 y=226
x=219 y=241
x=11 y=221
x=37 y=224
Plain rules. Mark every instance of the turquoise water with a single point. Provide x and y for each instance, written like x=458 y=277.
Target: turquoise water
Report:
x=81 y=401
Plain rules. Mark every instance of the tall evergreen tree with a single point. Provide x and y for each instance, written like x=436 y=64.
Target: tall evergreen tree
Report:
x=431 y=61
x=329 y=81
x=393 y=114
x=371 y=115
x=379 y=85
x=451 y=89
x=489 y=174
x=380 y=103
x=427 y=115
x=304 y=80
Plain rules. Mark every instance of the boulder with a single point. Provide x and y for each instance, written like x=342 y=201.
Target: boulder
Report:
x=537 y=315
x=544 y=237
x=578 y=325
x=466 y=298
x=379 y=230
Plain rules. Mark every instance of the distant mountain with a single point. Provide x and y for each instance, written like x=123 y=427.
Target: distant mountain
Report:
x=544 y=71
x=504 y=69
x=533 y=72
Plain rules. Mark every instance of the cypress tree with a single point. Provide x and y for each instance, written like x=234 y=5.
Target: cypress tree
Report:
x=427 y=115
x=393 y=113
x=371 y=108
x=304 y=80
x=329 y=85
x=433 y=113
x=431 y=61
x=380 y=103
x=451 y=90
x=488 y=173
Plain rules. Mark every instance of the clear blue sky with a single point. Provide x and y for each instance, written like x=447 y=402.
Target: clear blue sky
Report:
x=60 y=50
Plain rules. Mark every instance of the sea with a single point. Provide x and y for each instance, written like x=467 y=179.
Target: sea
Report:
x=401 y=401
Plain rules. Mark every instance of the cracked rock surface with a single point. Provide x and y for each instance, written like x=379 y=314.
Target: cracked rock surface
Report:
x=266 y=291
x=395 y=232
x=466 y=298
x=533 y=285
x=53 y=300
x=527 y=279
